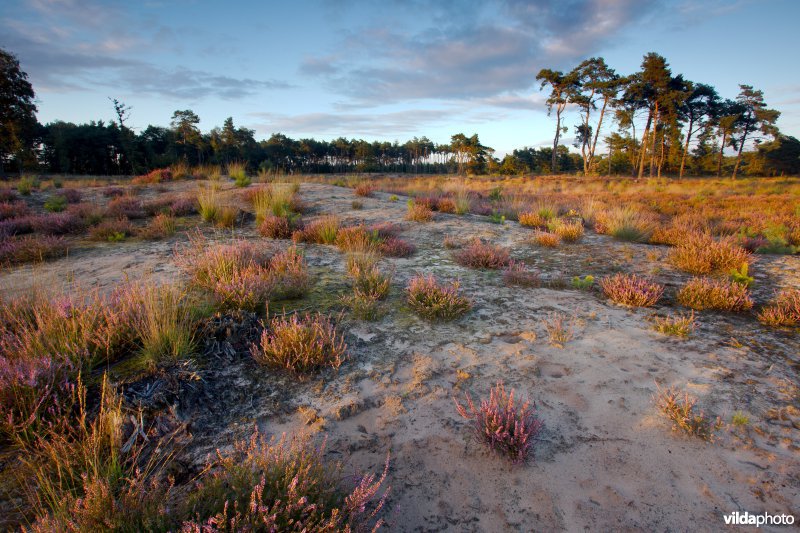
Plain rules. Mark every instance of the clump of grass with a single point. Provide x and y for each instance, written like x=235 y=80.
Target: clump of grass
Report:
x=321 y=231
x=419 y=212
x=181 y=170
x=707 y=293
x=300 y=344
x=676 y=325
x=568 y=231
x=227 y=217
x=208 y=203
x=559 y=329
x=276 y=227
x=436 y=301
x=112 y=230
x=680 y=409
x=517 y=273
x=237 y=171
x=160 y=227
x=783 y=310
x=699 y=253
x=478 y=254
x=462 y=203
x=625 y=224
x=396 y=247
x=740 y=419
x=31 y=248
x=27 y=184
x=532 y=219
x=546 y=239
x=279 y=199
x=631 y=290
x=356 y=239
x=364 y=189
x=583 y=283
x=357 y=205
x=288 y=275
x=393 y=198
x=284 y=485
x=507 y=427
x=55 y=204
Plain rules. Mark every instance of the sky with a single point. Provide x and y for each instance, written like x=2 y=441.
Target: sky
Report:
x=382 y=70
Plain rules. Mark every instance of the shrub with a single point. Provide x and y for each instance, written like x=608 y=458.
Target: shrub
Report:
x=706 y=293
x=288 y=275
x=532 y=219
x=28 y=184
x=355 y=204
x=783 y=310
x=517 y=273
x=73 y=196
x=7 y=195
x=125 y=206
x=699 y=253
x=162 y=226
x=419 y=212
x=154 y=176
x=237 y=171
x=13 y=210
x=356 y=239
x=478 y=254
x=396 y=247
x=320 y=231
x=507 y=428
x=559 y=331
x=300 y=344
x=364 y=189
x=57 y=223
x=113 y=192
x=31 y=248
x=680 y=409
x=568 y=231
x=275 y=227
x=446 y=205
x=112 y=230
x=16 y=226
x=55 y=204
x=546 y=239
x=631 y=290
x=433 y=301
x=282 y=486
x=677 y=326
x=370 y=281
x=393 y=198
x=183 y=206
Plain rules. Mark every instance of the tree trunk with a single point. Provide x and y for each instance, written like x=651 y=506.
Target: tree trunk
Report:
x=553 y=165
x=644 y=144
x=656 y=121
x=686 y=147
x=721 y=153
x=597 y=132
x=739 y=155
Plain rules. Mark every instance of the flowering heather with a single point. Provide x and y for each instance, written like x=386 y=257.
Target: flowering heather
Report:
x=57 y=223
x=112 y=230
x=546 y=239
x=517 y=273
x=364 y=189
x=631 y=290
x=699 y=253
x=288 y=275
x=680 y=409
x=154 y=176
x=370 y=281
x=385 y=230
x=783 y=310
x=72 y=196
x=275 y=227
x=435 y=301
x=284 y=485
x=300 y=344
x=396 y=247
x=13 y=210
x=419 y=212
x=113 y=192
x=707 y=293
x=559 y=330
x=16 y=226
x=125 y=206
x=478 y=254
x=446 y=205
x=31 y=248
x=182 y=206
x=507 y=428
x=7 y=194
x=320 y=231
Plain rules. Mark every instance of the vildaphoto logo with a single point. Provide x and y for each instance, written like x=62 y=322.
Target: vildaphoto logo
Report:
x=765 y=519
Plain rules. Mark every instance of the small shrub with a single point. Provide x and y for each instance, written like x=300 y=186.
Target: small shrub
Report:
x=446 y=205
x=356 y=239
x=154 y=176
x=113 y=192
x=699 y=253
x=355 y=204
x=631 y=290
x=237 y=171
x=73 y=196
x=370 y=281
x=321 y=231
x=680 y=409
x=739 y=419
x=55 y=204
x=275 y=227
x=433 y=301
x=583 y=283
x=396 y=247
x=7 y=195
x=517 y=273
x=677 y=325
x=227 y=217
x=183 y=206
x=57 y=223
x=300 y=344
x=478 y=254
x=363 y=306
x=393 y=198
x=546 y=239
x=161 y=227
x=125 y=206
x=10 y=210
x=559 y=329
x=497 y=218
x=419 y=212
x=364 y=189
x=569 y=231
x=507 y=428
x=706 y=293
x=288 y=275
x=28 y=184
x=16 y=226
x=783 y=310
x=112 y=230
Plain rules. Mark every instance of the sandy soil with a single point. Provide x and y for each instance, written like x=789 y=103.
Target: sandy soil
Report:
x=606 y=460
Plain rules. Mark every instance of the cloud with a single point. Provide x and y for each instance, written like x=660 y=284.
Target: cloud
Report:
x=470 y=51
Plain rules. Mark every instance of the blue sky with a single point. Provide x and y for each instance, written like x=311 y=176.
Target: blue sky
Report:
x=386 y=70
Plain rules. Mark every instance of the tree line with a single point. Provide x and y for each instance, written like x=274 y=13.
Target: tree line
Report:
x=682 y=126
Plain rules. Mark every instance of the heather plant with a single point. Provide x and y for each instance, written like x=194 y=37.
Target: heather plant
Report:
x=546 y=239
x=154 y=176
x=300 y=344
x=276 y=227
x=446 y=205
x=55 y=204
x=7 y=195
x=783 y=310
x=321 y=231
x=567 y=231
x=57 y=223
x=478 y=254
x=72 y=196
x=418 y=212
x=284 y=485
x=369 y=281
x=631 y=290
x=707 y=293
x=679 y=325
x=16 y=209
x=31 y=248
x=396 y=247
x=125 y=206
x=517 y=273
x=505 y=425
x=112 y=230
x=680 y=409
x=531 y=219
x=160 y=227
x=288 y=275
x=356 y=239
x=364 y=189
x=699 y=253
x=436 y=301
x=559 y=329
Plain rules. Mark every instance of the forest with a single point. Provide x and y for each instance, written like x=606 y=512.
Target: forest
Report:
x=650 y=122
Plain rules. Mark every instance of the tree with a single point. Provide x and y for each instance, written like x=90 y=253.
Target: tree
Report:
x=17 y=112
x=781 y=156
x=184 y=123
x=729 y=113
x=755 y=117
x=594 y=81
x=699 y=108
x=562 y=88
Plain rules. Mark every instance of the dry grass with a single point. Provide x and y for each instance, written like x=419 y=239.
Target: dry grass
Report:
x=677 y=325
x=300 y=344
x=699 y=253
